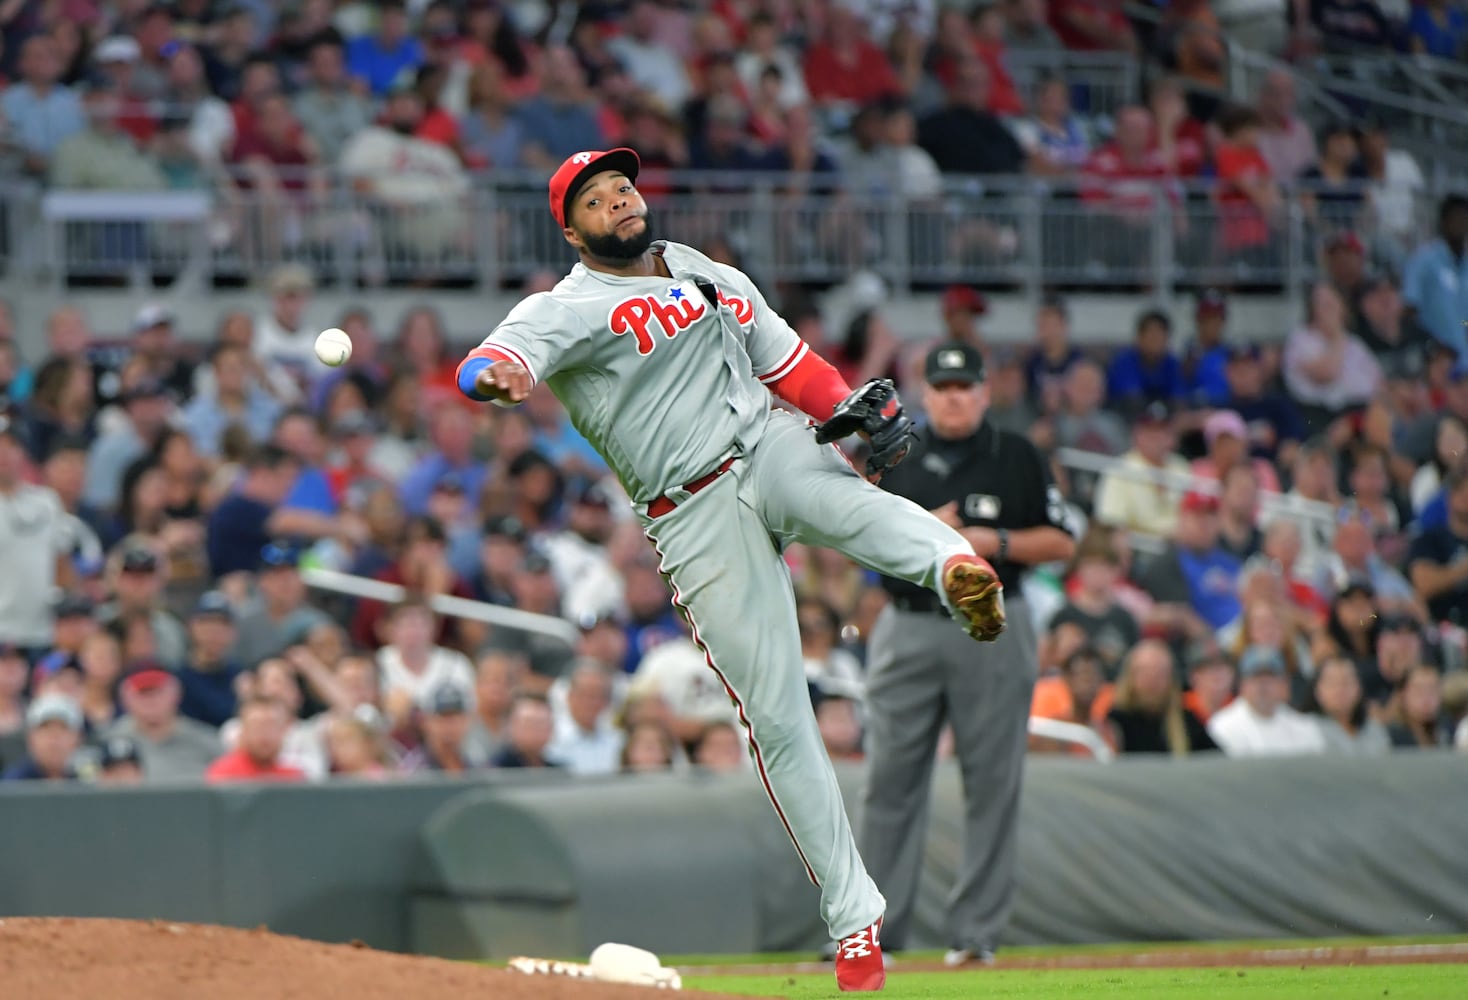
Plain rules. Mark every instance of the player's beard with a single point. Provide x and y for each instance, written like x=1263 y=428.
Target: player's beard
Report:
x=613 y=247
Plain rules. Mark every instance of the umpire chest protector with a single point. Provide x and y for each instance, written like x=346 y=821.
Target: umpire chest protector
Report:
x=995 y=478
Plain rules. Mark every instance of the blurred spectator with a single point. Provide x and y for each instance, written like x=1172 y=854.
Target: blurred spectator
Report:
x=40 y=113
x=725 y=143
x=208 y=676
x=275 y=167
x=1247 y=196
x=34 y=538
x=262 y=732
x=53 y=735
x=1271 y=418
x=1210 y=680
x=298 y=433
x=281 y=335
x=421 y=566
x=839 y=723
x=280 y=617
x=963 y=307
x=677 y=675
x=762 y=50
x=78 y=637
x=60 y=412
x=1079 y=694
x=652 y=64
x=137 y=582
x=1260 y=722
x=720 y=749
x=562 y=119
x=1194 y=571
x=491 y=39
x=1435 y=286
x=650 y=616
x=235 y=399
x=1437 y=29
x=1205 y=365
x=1093 y=26
x=1026 y=29
x=417 y=185
x=1081 y=422
x=491 y=134
x=1326 y=368
x=1147 y=714
x=356 y=747
x=14 y=676
x=1055 y=139
x=174 y=747
x=102 y=157
x=499 y=553
x=1449 y=448
x=1010 y=405
x=1334 y=196
x=988 y=43
x=1147 y=371
x=1122 y=182
x=209 y=122
x=1438 y=560
x=1395 y=185
x=154 y=351
x=828 y=668
x=1283 y=140
x=1182 y=144
x=585 y=741
x=1238 y=510
x=965 y=137
x=120 y=762
x=1192 y=41
x=1109 y=627
x=1381 y=325
x=412 y=665
x=528 y=734
x=327 y=107
x=382 y=59
x=452 y=454
x=243 y=523
x=437 y=125
x=1341 y=712
x=1135 y=502
x=444 y=719
x=1226 y=437
x=496 y=678
x=843 y=67
x=233 y=43
x=1415 y=718
x=1054 y=354
x=351 y=469
x=589 y=584
x=649 y=747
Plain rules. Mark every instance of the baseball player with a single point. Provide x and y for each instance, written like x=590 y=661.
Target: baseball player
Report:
x=665 y=361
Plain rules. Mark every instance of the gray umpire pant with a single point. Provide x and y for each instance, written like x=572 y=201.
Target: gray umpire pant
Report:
x=925 y=671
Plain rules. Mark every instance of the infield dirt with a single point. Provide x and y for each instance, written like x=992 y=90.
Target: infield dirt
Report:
x=73 y=959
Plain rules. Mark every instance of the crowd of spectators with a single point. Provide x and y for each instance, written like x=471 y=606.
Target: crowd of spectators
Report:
x=403 y=104
x=1275 y=530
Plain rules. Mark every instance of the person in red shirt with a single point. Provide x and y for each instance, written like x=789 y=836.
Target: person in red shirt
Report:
x=1004 y=99
x=1122 y=182
x=1093 y=26
x=1180 y=138
x=1247 y=197
x=845 y=67
x=263 y=724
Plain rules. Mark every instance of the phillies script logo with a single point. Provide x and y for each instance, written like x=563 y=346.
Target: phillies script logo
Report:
x=642 y=315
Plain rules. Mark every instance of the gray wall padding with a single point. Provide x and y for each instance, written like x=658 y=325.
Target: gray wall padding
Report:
x=1135 y=851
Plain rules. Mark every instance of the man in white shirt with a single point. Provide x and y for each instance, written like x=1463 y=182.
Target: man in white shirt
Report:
x=652 y=65
x=1259 y=722
x=411 y=667
x=584 y=740
x=1129 y=497
x=578 y=556
x=35 y=535
x=282 y=336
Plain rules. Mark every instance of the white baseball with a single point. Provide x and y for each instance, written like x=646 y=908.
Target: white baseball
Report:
x=333 y=347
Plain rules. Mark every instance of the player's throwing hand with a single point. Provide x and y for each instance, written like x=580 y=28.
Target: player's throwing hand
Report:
x=505 y=381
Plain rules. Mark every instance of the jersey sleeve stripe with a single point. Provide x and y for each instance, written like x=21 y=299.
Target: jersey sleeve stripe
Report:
x=785 y=367
x=499 y=352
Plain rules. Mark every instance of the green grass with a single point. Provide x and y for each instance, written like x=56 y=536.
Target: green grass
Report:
x=1402 y=982
x=1113 y=948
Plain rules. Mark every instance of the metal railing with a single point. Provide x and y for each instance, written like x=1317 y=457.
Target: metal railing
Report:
x=1017 y=232
x=1072 y=734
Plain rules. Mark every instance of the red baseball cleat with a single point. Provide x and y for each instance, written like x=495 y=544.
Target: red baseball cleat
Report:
x=859 y=967
x=976 y=596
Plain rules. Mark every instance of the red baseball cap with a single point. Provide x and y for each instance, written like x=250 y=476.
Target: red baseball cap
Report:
x=568 y=180
x=145 y=675
x=964 y=297
x=1199 y=503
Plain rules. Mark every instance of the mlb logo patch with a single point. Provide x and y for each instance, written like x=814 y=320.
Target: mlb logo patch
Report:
x=982 y=506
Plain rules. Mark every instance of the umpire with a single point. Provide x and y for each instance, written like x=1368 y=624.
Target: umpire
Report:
x=994 y=487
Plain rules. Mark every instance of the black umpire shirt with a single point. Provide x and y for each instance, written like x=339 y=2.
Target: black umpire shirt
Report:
x=998 y=480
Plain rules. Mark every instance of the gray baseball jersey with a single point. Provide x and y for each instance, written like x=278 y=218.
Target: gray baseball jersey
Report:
x=666 y=388
x=677 y=384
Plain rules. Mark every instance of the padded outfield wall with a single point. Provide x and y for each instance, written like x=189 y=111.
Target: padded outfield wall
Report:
x=1149 y=850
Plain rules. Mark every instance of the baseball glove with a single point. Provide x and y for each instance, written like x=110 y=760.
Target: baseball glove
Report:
x=874 y=412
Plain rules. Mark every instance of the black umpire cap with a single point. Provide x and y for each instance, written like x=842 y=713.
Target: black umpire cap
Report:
x=954 y=361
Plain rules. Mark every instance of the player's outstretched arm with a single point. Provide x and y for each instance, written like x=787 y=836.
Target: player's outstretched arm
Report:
x=495 y=380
